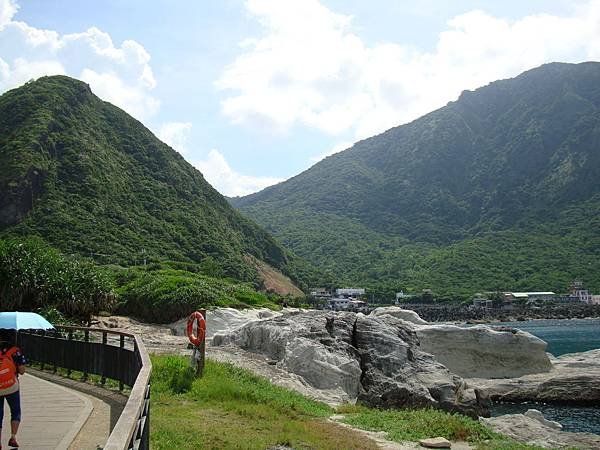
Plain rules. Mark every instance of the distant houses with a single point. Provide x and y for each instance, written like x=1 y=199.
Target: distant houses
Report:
x=482 y=302
x=529 y=297
x=577 y=294
x=346 y=299
x=320 y=293
x=401 y=297
x=350 y=292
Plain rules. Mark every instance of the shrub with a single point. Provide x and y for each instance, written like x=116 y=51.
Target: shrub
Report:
x=165 y=295
x=34 y=275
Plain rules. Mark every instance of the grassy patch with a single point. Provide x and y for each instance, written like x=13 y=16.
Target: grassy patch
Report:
x=232 y=408
x=412 y=425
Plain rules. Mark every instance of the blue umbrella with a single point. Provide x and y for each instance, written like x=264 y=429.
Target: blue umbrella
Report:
x=16 y=320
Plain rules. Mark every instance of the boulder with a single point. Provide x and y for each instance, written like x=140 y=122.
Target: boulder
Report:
x=529 y=429
x=485 y=352
x=376 y=360
x=574 y=378
x=437 y=442
x=399 y=313
x=537 y=415
x=477 y=352
x=225 y=318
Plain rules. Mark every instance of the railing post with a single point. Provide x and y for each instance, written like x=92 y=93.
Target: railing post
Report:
x=202 y=350
x=145 y=441
x=121 y=346
x=54 y=366
x=86 y=338
x=104 y=343
x=70 y=338
x=42 y=365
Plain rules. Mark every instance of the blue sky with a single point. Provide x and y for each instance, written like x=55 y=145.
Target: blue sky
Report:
x=253 y=92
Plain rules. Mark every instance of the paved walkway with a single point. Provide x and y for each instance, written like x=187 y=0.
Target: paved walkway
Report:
x=52 y=415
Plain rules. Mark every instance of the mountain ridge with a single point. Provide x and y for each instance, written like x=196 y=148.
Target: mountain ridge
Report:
x=510 y=157
x=92 y=180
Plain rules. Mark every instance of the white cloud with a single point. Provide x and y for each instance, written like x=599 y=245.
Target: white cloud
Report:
x=8 y=8
x=175 y=134
x=310 y=67
x=227 y=181
x=332 y=151
x=119 y=74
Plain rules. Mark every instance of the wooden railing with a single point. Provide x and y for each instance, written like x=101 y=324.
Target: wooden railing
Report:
x=109 y=354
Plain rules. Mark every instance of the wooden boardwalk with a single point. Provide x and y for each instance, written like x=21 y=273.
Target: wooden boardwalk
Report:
x=52 y=415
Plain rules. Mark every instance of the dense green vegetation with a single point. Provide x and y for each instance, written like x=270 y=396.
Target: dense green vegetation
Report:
x=34 y=276
x=232 y=408
x=497 y=190
x=166 y=295
x=67 y=290
x=93 y=181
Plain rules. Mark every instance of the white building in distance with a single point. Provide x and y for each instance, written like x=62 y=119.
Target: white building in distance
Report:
x=350 y=292
x=579 y=292
x=529 y=296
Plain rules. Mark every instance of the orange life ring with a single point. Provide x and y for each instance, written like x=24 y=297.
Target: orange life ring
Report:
x=201 y=324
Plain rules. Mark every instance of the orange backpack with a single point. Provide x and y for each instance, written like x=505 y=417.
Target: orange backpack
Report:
x=8 y=369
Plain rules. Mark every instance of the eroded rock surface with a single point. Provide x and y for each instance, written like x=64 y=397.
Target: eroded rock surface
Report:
x=484 y=352
x=221 y=319
x=529 y=429
x=574 y=378
x=480 y=351
x=375 y=359
x=399 y=313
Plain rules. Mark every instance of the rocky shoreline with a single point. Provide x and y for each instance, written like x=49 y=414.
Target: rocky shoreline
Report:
x=573 y=379
x=469 y=314
x=394 y=358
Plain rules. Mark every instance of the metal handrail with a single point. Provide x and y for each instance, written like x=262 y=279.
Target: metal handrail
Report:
x=132 y=428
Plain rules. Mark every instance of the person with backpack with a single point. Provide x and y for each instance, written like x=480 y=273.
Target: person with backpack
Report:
x=12 y=364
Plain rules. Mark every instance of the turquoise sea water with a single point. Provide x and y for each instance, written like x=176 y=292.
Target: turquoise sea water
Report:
x=562 y=336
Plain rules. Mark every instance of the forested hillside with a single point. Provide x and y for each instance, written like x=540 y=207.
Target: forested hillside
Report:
x=497 y=190
x=91 y=180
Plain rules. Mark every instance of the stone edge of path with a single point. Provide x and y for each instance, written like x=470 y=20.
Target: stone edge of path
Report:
x=83 y=416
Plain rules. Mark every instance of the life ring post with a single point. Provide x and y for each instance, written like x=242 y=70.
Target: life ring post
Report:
x=198 y=339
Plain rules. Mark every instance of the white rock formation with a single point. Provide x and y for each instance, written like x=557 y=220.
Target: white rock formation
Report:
x=573 y=378
x=480 y=351
x=528 y=429
x=374 y=359
x=537 y=415
x=399 y=313
x=223 y=319
x=485 y=352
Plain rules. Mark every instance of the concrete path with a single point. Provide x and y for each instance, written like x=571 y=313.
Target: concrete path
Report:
x=52 y=415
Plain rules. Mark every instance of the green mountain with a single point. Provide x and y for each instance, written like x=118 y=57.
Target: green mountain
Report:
x=497 y=190
x=91 y=180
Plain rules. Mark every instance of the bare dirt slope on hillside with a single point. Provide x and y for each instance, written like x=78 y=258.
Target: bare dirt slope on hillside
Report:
x=274 y=280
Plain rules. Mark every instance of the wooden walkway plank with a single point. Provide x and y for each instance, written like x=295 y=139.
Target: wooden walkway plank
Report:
x=51 y=415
